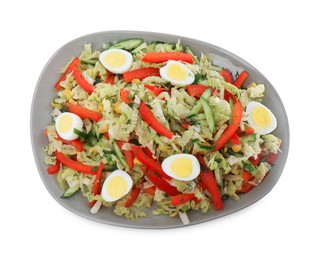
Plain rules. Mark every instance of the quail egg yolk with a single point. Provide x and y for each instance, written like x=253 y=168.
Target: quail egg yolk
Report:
x=65 y=123
x=115 y=59
x=176 y=72
x=260 y=116
x=182 y=167
x=116 y=187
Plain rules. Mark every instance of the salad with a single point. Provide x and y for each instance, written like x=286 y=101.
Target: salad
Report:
x=137 y=125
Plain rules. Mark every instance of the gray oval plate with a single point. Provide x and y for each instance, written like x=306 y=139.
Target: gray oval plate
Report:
x=40 y=118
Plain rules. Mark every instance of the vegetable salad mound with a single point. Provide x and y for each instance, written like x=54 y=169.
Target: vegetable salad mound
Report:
x=137 y=124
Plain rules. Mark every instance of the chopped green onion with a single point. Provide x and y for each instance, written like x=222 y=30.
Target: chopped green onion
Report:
x=80 y=133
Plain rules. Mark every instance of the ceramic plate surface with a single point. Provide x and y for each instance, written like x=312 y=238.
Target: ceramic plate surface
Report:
x=40 y=118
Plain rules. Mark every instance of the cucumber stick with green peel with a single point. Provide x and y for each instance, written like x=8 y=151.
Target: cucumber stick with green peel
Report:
x=208 y=113
x=128 y=44
x=120 y=155
x=248 y=138
x=71 y=191
x=197 y=108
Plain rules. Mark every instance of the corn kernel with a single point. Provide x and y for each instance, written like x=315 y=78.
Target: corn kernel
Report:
x=100 y=108
x=67 y=93
x=136 y=81
x=174 y=213
x=136 y=161
x=162 y=148
x=252 y=85
x=236 y=148
x=54 y=104
x=103 y=129
x=117 y=108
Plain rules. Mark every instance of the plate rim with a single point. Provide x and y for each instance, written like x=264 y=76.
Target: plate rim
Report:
x=153 y=34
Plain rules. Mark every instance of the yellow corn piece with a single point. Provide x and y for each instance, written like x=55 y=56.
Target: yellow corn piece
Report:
x=136 y=161
x=252 y=85
x=162 y=147
x=100 y=108
x=54 y=104
x=174 y=213
x=67 y=93
x=117 y=108
x=103 y=129
x=136 y=81
x=236 y=148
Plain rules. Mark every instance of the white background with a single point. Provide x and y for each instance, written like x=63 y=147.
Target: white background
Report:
x=280 y=39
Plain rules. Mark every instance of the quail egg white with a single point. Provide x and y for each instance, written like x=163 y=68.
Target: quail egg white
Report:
x=116 y=61
x=184 y=167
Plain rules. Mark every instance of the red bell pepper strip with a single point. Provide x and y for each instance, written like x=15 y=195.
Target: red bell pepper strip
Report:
x=246 y=175
x=158 y=57
x=84 y=112
x=185 y=125
x=97 y=183
x=147 y=116
x=128 y=154
x=134 y=195
x=201 y=185
x=147 y=151
x=160 y=183
x=106 y=135
x=271 y=158
x=206 y=176
x=149 y=162
x=84 y=84
x=150 y=190
x=76 y=143
x=240 y=79
x=140 y=74
x=255 y=162
x=246 y=187
x=235 y=139
x=226 y=74
x=196 y=90
x=228 y=95
x=75 y=63
x=124 y=96
x=154 y=89
x=182 y=198
x=62 y=78
x=110 y=78
x=75 y=165
x=53 y=169
x=232 y=128
x=248 y=130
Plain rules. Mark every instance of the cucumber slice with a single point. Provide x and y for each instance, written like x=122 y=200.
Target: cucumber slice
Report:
x=197 y=108
x=206 y=147
x=120 y=155
x=207 y=93
x=70 y=192
x=249 y=139
x=198 y=117
x=128 y=44
x=208 y=113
